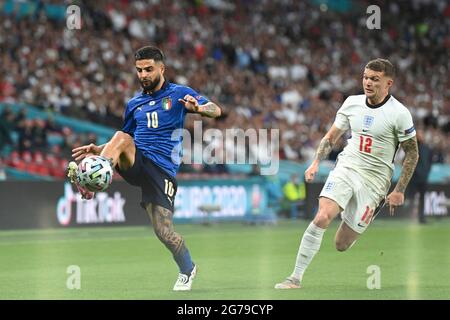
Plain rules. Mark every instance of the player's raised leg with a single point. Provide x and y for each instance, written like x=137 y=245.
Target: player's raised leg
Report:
x=120 y=150
x=360 y=211
x=311 y=241
x=163 y=226
x=345 y=237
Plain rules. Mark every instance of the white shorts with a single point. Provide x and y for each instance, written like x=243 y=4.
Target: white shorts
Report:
x=347 y=189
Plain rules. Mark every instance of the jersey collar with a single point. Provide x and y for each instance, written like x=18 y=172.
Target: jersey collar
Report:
x=374 y=106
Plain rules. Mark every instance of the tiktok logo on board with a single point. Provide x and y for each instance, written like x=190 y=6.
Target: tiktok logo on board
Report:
x=101 y=209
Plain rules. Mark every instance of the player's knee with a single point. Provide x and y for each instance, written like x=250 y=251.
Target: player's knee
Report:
x=122 y=139
x=322 y=219
x=341 y=246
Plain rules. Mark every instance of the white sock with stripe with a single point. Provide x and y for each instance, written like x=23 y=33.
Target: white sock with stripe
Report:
x=309 y=246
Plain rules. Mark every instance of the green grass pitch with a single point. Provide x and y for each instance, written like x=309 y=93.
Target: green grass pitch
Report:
x=235 y=261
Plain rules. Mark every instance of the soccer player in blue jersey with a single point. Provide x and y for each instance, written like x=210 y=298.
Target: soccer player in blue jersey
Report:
x=147 y=152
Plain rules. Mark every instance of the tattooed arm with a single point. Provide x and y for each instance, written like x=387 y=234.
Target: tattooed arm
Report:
x=326 y=145
x=396 y=198
x=210 y=110
x=324 y=149
x=409 y=163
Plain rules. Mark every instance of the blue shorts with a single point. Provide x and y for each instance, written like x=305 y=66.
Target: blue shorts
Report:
x=157 y=186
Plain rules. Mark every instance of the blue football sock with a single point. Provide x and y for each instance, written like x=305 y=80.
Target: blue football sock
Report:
x=184 y=261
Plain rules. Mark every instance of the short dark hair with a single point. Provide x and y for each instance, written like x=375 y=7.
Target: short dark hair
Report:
x=149 y=52
x=382 y=65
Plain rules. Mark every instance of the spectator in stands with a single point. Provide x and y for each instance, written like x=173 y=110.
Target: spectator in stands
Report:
x=20 y=118
x=274 y=193
x=40 y=133
x=293 y=72
x=216 y=169
x=8 y=118
x=288 y=77
x=51 y=126
x=295 y=195
x=2 y=170
x=256 y=170
x=26 y=136
x=5 y=136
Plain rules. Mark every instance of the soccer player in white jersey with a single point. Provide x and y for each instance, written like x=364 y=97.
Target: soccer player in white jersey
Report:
x=359 y=183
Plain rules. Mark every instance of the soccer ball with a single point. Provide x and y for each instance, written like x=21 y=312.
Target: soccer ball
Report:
x=95 y=173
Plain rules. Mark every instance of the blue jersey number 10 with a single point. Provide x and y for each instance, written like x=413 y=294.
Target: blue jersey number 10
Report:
x=152 y=119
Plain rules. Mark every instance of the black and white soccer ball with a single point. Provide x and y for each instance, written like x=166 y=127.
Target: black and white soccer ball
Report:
x=95 y=173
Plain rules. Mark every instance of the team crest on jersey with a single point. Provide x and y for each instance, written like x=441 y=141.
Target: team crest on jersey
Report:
x=368 y=121
x=329 y=186
x=166 y=103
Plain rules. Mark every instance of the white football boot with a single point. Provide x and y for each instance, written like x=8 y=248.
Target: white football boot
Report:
x=289 y=283
x=184 y=282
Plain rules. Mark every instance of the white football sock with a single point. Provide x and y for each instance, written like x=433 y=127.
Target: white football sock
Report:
x=309 y=246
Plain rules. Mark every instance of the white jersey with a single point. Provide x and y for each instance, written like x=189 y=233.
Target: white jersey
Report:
x=376 y=132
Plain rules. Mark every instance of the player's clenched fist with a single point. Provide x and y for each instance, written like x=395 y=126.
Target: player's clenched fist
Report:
x=310 y=173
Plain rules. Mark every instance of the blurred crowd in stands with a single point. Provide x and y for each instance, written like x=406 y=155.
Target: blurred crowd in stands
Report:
x=32 y=150
x=287 y=64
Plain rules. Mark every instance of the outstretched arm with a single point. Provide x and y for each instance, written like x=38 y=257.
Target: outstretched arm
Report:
x=209 y=109
x=82 y=152
x=324 y=149
x=397 y=197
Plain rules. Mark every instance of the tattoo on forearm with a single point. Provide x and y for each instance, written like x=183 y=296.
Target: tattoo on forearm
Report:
x=324 y=149
x=409 y=163
x=210 y=110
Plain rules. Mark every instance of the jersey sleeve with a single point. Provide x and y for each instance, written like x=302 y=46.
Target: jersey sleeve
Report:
x=129 y=125
x=341 y=121
x=405 y=126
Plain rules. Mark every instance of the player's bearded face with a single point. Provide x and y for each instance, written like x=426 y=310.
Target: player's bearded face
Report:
x=149 y=73
x=149 y=84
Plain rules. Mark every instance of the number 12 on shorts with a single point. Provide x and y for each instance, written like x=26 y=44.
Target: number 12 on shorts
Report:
x=365 y=144
x=168 y=188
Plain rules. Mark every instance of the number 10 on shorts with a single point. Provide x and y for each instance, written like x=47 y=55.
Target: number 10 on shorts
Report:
x=168 y=188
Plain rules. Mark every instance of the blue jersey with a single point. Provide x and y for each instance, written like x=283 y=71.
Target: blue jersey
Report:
x=153 y=119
